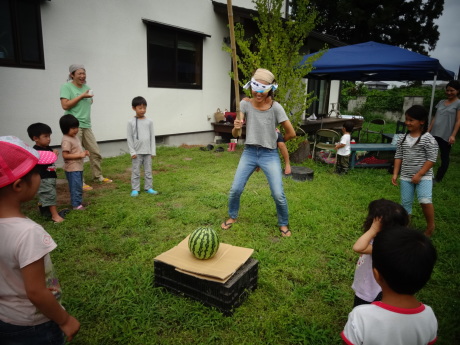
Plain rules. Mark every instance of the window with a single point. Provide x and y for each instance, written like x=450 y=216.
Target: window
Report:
x=320 y=88
x=174 y=56
x=21 y=43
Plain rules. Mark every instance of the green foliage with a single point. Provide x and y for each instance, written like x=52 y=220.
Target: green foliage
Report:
x=104 y=258
x=351 y=90
x=387 y=100
x=277 y=48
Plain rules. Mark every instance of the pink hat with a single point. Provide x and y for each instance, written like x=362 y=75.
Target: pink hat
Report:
x=17 y=159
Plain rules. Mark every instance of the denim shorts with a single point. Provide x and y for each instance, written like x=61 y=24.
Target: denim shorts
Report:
x=47 y=333
x=408 y=189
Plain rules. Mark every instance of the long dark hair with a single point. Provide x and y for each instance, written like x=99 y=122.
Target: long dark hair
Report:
x=389 y=212
x=419 y=113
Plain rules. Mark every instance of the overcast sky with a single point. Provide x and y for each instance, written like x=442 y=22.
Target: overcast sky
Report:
x=448 y=47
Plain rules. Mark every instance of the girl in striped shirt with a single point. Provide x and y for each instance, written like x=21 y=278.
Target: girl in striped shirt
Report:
x=415 y=156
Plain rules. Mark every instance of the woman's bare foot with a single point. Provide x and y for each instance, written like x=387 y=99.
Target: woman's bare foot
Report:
x=285 y=232
x=227 y=224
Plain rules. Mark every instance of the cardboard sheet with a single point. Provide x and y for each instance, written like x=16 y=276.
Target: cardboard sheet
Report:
x=219 y=268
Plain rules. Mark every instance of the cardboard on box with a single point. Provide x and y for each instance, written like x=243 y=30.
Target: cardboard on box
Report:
x=219 y=268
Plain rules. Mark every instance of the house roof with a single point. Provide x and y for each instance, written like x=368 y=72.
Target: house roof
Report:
x=245 y=13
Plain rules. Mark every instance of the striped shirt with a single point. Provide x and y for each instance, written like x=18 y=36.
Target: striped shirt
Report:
x=414 y=156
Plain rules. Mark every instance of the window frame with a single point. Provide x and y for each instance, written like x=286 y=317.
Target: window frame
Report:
x=177 y=33
x=19 y=60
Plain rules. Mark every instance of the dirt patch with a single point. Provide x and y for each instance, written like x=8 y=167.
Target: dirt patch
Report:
x=184 y=146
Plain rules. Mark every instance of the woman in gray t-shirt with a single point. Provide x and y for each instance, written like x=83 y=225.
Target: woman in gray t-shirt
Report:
x=262 y=115
x=445 y=125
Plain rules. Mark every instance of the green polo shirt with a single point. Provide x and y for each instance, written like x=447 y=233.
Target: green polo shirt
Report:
x=82 y=111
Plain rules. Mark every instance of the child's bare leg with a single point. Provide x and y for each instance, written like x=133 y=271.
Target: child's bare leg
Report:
x=55 y=215
x=428 y=211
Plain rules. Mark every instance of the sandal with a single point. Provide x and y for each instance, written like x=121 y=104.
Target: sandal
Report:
x=105 y=180
x=87 y=187
x=284 y=233
x=226 y=225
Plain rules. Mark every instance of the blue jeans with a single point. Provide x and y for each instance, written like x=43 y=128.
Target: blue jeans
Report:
x=75 y=179
x=47 y=333
x=269 y=162
x=424 y=193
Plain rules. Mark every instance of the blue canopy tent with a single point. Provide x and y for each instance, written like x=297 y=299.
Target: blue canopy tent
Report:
x=377 y=61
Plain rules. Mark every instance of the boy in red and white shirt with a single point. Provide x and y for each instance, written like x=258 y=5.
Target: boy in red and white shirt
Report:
x=403 y=260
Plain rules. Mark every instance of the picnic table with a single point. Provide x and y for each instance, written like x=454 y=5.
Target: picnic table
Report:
x=370 y=148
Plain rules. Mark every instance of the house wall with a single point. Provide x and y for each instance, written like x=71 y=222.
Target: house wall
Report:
x=109 y=38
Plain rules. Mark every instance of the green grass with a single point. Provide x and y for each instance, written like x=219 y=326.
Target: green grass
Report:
x=104 y=257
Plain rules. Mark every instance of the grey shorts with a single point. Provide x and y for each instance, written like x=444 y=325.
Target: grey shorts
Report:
x=47 y=192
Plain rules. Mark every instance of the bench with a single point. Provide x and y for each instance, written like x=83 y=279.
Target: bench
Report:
x=369 y=147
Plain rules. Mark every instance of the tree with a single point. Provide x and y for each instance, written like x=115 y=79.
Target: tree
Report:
x=277 y=48
x=405 y=23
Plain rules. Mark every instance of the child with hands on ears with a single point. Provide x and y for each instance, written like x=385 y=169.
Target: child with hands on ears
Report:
x=382 y=215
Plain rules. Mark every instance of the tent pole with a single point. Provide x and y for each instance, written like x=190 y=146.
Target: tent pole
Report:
x=235 y=65
x=432 y=97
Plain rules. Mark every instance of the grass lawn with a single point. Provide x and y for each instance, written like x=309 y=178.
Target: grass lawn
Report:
x=104 y=257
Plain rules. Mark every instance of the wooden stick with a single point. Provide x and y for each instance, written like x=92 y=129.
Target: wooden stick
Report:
x=235 y=65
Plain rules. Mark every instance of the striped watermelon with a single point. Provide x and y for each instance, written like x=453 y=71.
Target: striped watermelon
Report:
x=203 y=243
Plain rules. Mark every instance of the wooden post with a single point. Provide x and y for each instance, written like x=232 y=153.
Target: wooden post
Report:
x=235 y=64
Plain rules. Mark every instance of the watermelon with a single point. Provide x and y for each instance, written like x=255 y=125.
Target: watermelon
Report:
x=203 y=243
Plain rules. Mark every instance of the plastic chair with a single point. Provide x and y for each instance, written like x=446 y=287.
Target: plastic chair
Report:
x=325 y=139
x=400 y=129
x=375 y=126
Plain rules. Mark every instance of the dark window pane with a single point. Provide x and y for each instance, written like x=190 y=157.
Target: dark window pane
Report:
x=162 y=59
x=28 y=31
x=21 y=42
x=6 y=32
x=174 y=58
x=187 y=62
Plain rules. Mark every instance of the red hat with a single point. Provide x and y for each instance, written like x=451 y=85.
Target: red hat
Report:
x=17 y=159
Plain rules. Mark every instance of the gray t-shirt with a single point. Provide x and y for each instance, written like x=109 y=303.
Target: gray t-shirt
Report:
x=140 y=137
x=260 y=125
x=445 y=118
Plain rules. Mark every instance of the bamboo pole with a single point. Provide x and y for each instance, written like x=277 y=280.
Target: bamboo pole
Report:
x=235 y=66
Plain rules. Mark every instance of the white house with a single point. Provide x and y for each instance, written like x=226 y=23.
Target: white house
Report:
x=169 y=52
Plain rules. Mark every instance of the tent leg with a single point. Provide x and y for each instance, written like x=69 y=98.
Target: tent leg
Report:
x=432 y=98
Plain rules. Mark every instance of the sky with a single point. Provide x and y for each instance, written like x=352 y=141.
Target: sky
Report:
x=448 y=47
